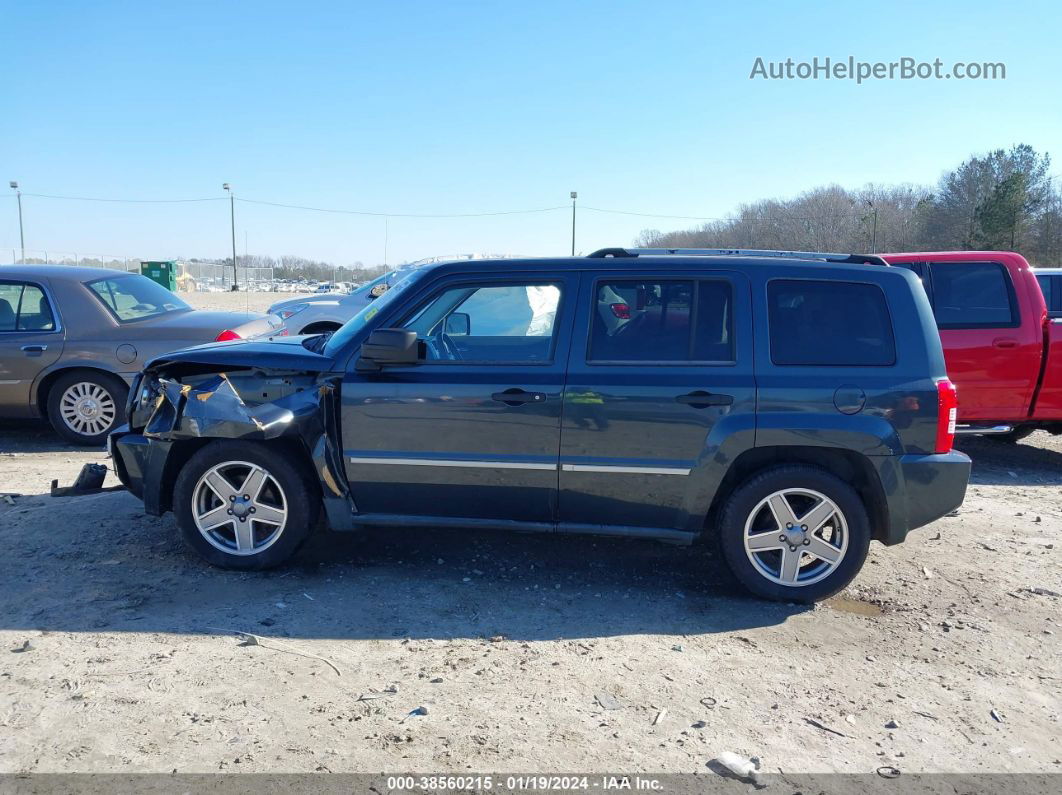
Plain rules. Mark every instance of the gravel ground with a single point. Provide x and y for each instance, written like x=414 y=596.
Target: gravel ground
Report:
x=118 y=649
x=943 y=656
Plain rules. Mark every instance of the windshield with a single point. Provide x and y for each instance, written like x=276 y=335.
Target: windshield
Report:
x=133 y=297
x=353 y=327
x=359 y=291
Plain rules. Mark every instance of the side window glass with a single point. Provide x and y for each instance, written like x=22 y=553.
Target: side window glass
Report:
x=1052 y=290
x=493 y=324
x=972 y=295
x=10 y=297
x=24 y=308
x=35 y=313
x=828 y=323
x=672 y=320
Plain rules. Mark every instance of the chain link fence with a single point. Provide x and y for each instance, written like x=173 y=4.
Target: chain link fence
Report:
x=192 y=275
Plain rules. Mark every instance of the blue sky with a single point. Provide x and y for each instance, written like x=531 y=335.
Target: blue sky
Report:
x=465 y=107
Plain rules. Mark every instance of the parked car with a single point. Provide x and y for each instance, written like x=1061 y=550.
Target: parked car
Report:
x=72 y=338
x=1003 y=350
x=321 y=312
x=1050 y=280
x=792 y=408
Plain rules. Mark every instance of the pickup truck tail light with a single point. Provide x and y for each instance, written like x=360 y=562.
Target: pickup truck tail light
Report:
x=622 y=311
x=947 y=413
x=226 y=335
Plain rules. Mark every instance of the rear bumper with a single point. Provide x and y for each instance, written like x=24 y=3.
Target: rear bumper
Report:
x=921 y=488
x=140 y=463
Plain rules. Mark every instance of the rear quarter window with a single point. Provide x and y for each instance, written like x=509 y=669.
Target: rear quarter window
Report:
x=829 y=323
x=972 y=295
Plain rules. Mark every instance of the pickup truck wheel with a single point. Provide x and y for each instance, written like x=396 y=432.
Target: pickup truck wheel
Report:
x=795 y=533
x=242 y=505
x=84 y=406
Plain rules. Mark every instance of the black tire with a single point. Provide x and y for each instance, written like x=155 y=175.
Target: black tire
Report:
x=299 y=498
x=1013 y=437
x=744 y=501
x=62 y=398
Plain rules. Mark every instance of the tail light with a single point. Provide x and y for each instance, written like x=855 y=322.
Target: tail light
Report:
x=226 y=335
x=947 y=413
x=622 y=311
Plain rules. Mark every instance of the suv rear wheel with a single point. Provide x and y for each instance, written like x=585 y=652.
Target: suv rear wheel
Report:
x=242 y=505
x=795 y=533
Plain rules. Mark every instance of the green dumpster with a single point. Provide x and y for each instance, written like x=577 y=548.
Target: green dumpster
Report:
x=165 y=273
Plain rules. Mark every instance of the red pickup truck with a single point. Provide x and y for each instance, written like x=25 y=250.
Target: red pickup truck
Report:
x=1002 y=350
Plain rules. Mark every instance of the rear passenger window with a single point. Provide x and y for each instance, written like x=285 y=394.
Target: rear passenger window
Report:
x=24 y=308
x=972 y=295
x=662 y=321
x=829 y=323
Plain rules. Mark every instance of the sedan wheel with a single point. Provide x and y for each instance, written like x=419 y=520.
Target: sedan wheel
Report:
x=84 y=406
x=239 y=508
x=87 y=408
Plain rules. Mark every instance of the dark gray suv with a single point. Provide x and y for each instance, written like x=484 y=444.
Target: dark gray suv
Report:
x=792 y=406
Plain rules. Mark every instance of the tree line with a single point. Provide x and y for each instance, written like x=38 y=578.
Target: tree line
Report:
x=1005 y=199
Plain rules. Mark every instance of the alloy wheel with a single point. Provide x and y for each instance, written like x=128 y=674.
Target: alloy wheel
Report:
x=239 y=508
x=796 y=537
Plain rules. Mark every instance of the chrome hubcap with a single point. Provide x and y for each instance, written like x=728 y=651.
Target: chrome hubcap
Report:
x=796 y=537
x=87 y=408
x=239 y=508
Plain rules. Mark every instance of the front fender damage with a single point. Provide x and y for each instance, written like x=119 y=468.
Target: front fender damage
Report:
x=254 y=405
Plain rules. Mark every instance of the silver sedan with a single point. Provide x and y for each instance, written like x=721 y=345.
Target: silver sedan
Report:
x=71 y=340
x=320 y=313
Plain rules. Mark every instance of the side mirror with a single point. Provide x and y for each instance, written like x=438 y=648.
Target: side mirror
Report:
x=394 y=346
x=458 y=324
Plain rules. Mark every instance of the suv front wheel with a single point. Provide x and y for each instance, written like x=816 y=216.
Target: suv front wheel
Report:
x=243 y=505
x=795 y=533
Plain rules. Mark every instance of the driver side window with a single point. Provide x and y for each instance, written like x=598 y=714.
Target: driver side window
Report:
x=493 y=323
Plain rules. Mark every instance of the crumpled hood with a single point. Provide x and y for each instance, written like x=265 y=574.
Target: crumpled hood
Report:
x=283 y=353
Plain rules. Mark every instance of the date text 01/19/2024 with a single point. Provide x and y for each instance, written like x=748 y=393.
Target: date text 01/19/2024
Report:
x=517 y=783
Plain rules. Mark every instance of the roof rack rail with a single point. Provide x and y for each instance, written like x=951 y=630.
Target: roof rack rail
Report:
x=853 y=259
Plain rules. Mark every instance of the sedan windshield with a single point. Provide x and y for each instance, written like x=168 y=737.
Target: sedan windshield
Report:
x=132 y=297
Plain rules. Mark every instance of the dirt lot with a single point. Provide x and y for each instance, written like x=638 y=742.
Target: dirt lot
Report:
x=131 y=664
x=118 y=652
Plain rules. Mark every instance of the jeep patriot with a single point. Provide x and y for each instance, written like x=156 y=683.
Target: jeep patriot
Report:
x=791 y=407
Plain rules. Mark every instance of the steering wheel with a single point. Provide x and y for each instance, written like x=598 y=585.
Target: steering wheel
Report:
x=441 y=348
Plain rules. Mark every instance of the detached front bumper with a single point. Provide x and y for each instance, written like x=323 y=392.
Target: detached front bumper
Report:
x=922 y=488
x=140 y=463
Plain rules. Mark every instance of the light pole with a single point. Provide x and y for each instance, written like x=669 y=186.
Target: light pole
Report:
x=21 y=236
x=874 y=233
x=232 y=216
x=574 y=195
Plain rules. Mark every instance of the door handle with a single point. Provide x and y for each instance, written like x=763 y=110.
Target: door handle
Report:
x=702 y=400
x=29 y=349
x=517 y=397
x=1005 y=342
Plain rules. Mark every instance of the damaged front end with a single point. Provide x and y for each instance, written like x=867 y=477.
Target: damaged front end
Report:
x=183 y=401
